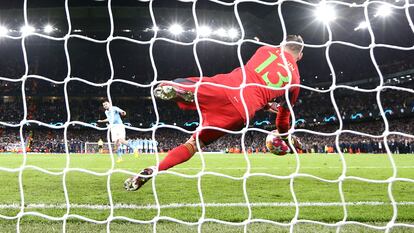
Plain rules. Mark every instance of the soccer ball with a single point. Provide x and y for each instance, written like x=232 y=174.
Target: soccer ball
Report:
x=275 y=144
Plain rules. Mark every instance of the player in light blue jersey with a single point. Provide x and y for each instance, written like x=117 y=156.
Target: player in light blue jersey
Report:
x=113 y=117
x=146 y=142
x=140 y=145
x=154 y=145
x=150 y=146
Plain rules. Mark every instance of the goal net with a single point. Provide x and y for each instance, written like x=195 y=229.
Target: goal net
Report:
x=93 y=147
x=107 y=53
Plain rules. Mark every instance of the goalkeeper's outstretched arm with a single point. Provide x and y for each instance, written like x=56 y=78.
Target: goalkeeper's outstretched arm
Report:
x=283 y=112
x=283 y=119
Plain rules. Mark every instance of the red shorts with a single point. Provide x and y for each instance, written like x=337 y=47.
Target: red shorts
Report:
x=216 y=110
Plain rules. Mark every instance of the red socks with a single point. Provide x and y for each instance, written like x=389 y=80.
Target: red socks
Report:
x=176 y=156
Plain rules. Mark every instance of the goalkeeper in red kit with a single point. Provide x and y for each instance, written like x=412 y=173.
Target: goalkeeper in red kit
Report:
x=222 y=107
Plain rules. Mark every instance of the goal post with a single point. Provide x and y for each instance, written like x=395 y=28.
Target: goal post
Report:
x=93 y=147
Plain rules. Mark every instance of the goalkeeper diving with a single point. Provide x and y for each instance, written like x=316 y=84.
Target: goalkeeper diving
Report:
x=272 y=68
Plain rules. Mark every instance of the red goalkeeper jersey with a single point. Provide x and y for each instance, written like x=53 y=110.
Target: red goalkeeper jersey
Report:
x=265 y=67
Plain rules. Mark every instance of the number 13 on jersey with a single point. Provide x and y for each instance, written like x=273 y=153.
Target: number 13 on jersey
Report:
x=282 y=79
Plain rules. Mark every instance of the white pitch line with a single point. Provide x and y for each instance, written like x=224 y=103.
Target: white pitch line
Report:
x=192 y=205
x=252 y=168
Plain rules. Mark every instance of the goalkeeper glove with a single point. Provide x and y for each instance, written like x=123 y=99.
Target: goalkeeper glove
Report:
x=271 y=107
x=295 y=142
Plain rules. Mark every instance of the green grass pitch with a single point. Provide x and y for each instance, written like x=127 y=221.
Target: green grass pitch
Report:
x=179 y=197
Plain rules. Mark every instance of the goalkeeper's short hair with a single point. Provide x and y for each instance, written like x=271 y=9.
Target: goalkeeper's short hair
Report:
x=294 y=47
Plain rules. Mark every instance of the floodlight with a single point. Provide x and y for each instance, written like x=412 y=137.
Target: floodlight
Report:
x=384 y=10
x=233 y=33
x=3 y=31
x=362 y=25
x=325 y=13
x=48 y=29
x=204 y=31
x=221 y=32
x=27 y=29
x=176 y=29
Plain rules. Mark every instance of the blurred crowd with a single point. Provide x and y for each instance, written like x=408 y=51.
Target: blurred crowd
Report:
x=43 y=139
x=311 y=108
x=352 y=142
x=45 y=102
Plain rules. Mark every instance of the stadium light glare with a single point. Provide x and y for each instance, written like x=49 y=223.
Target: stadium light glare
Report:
x=48 y=28
x=362 y=25
x=384 y=10
x=325 y=13
x=176 y=29
x=27 y=29
x=3 y=31
x=221 y=32
x=233 y=33
x=204 y=31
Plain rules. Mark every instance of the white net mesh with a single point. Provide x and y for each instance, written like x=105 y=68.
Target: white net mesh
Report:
x=248 y=174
